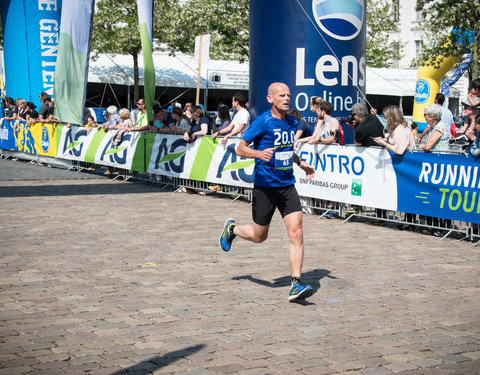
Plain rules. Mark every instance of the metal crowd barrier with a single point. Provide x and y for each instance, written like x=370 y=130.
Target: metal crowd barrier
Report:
x=442 y=228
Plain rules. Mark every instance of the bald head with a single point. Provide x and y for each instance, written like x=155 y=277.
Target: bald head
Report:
x=275 y=86
x=278 y=96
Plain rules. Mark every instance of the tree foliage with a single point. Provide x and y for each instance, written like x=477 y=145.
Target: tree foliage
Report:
x=225 y=20
x=381 y=52
x=440 y=17
x=116 y=29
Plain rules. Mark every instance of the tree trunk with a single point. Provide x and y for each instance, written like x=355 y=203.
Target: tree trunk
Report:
x=135 y=79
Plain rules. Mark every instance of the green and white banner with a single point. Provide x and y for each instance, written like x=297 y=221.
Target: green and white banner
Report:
x=96 y=146
x=71 y=69
x=204 y=160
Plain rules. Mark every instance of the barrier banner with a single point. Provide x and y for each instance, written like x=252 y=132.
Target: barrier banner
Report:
x=121 y=156
x=43 y=136
x=96 y=146
x=8 y=139
x=75 y=141
x=203 y=160
x=37 y=139
x=437 y=185
x=356 y=175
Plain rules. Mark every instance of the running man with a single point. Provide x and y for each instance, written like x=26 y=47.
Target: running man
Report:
x=272 y=134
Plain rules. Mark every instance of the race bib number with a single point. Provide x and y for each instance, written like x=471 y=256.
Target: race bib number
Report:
x=283 y=160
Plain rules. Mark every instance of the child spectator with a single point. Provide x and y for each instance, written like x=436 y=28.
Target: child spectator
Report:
x=91 y=123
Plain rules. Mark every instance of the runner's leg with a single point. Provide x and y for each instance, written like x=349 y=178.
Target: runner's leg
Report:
x=293 y=223
x=252 y=232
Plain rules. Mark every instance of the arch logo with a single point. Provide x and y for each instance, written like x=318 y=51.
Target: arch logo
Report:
x=339 y=19
x=422 y=91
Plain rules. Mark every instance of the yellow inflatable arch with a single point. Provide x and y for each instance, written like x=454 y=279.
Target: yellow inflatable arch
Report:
x=428 y=85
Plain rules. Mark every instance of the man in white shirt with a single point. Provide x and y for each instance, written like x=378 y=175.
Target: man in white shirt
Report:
x=240 y=122
x=447 y=116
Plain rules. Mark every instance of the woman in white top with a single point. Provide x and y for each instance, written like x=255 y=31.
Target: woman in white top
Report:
x=400 y=136
x=182 y=122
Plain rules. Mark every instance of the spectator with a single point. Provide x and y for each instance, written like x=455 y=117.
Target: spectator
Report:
x=49 y=114
x=160 y=124
x=182 y=122
x=447 y=115
x=224 y=120
x=126 y=124
x=470 y=112
x=46 y=104
x=240 y=122
x=474 y=136
x=414 y=127
x=400 y=136
x=473 y=97
x=198 y=126
x=141 y=123
x=32 y=114
x=10 y=111
x=122 y=127
x=367 y=126
x=22 y=109
x=303 y=129
x=91 y=123
x=112 y=118
x=187 y=110
x=327 y=129
x=439 y=137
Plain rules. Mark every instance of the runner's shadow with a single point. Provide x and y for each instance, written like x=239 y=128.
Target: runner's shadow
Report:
x=150 y=365
x=311 y=277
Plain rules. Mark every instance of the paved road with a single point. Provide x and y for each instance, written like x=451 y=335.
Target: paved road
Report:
x=100 y=277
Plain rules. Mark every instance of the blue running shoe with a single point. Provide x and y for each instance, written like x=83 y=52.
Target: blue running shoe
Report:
x=227 y=235
x=299 y=291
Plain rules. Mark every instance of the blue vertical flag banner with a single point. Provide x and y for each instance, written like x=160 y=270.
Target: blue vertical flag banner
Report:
x=145 y=21
x=30 y=46
x=71 y=70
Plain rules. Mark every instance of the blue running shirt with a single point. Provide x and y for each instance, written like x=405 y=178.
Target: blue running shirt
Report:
x=266 y=132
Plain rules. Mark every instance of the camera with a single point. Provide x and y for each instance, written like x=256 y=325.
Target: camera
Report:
x=347 y=119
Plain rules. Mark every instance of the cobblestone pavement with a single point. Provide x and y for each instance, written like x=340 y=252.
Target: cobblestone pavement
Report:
x=100 y=277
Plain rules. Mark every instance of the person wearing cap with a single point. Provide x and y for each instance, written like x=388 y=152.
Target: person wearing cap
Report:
x=469 y=112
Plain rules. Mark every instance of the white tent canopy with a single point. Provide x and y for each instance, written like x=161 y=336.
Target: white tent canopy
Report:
x=181 y=71
x=170 y=71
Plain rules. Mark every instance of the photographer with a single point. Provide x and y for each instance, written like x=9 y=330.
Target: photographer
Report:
x=367 y=126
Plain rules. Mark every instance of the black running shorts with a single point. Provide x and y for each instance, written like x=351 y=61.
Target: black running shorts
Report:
x=265 y=200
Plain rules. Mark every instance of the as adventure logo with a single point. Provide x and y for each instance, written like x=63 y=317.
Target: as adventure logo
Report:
x=340 y=19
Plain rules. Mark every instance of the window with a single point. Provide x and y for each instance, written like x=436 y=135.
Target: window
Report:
x=418 y=48
x=396 y=10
